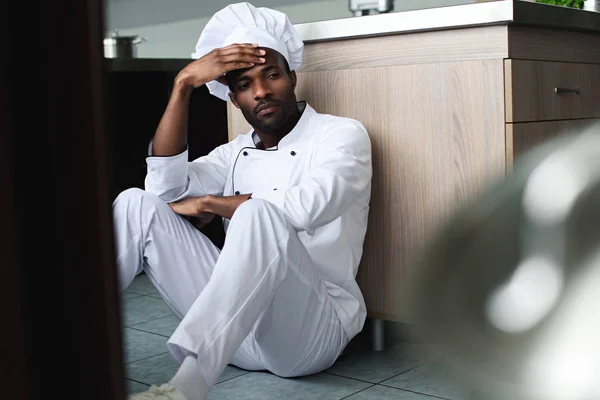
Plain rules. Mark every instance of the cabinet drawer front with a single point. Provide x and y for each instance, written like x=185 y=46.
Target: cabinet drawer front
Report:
x=545 y=91
x=523 y=137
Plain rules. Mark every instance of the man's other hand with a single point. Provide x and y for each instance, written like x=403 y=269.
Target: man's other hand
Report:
x=196 y=206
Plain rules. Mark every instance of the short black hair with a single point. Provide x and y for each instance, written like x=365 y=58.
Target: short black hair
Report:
x=285 y=64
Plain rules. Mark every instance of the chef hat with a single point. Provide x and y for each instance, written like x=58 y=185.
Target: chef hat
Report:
x=244 y=23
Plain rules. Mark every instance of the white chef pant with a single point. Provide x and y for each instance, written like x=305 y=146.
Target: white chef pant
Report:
x=260 y=304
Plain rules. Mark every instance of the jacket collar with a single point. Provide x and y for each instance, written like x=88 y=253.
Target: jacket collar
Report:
x=296 y=133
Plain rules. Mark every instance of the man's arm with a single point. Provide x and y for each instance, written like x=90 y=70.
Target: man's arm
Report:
x=341 y=172
x=198 y=206
x=171 y=135
x=170 y=175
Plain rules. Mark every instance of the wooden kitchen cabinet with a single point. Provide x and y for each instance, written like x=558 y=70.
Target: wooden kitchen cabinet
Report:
x=448 y=112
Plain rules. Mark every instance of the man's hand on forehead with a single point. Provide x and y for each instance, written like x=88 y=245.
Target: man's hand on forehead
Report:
x=218 y=62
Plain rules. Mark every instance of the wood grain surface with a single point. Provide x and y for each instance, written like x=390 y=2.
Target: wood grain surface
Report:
x=553 y=45
x=412 y=48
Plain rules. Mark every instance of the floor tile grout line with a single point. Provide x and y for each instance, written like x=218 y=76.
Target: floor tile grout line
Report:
x=362 y=390
x=412 y=391
x=145 y=294
x=373 y=383
x=136 y=381
x=403 y=372
x=348 y=377
x=154 y=294
x=146 y=358
x=130 y=292
x=141 y=330
x=233 y=377
x=165 y=317
x=162 y=354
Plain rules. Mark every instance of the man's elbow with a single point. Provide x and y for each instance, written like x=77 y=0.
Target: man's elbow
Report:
x=308 y=221
x=168 y=195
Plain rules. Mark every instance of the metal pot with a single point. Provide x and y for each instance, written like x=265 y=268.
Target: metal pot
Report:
x=121 y=46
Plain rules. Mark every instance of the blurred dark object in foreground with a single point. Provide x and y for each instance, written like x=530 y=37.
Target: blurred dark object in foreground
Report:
x=61 y=316
x=508 y=295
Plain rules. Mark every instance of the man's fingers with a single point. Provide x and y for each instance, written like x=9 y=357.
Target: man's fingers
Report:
x=243 y=47
x=177 y=208
x=241 y=65
x=238 y=45
x=239 y=57
x=242 y=50
x=230 y=67
x=242 y=58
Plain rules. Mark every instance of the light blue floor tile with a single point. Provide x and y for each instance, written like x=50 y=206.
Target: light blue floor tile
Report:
x=428 y=380
x=154 y=370
x=135 y=387
x=143 y=309
x=265 y=386
x=231 y=372
x=160 y=369
x=378 y=392
x=139 y=345
x=375 y=367
x=127 y=295
x=162 y=326
x=142 y=285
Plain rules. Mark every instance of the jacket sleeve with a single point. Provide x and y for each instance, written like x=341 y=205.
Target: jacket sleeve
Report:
x=174 y=178
x=340 y=171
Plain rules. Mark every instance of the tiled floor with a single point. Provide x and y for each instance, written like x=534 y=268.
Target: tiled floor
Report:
x=359 y=374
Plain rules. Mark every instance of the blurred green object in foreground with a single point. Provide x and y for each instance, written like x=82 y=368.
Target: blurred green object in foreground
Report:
x=564 y=3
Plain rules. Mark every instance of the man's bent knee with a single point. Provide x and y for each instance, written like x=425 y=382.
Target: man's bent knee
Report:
x=255 y=207
x=135 y=199
x=128 y=195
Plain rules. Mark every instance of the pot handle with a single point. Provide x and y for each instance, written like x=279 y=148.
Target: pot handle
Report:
x=139 y=40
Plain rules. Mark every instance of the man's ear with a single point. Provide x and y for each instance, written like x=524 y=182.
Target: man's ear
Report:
x=233 y=101
x=293 y=78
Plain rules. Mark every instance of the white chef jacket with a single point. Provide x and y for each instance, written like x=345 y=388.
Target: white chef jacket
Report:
x=319 y=176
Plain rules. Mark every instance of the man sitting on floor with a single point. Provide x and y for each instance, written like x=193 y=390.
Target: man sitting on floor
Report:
x=294 y=197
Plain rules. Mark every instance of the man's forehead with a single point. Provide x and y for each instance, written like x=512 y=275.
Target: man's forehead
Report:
x=271 y=62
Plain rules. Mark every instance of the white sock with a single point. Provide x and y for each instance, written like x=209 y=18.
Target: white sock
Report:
x=189 y=380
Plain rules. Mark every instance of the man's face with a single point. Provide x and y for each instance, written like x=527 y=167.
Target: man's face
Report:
x=265 y=92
